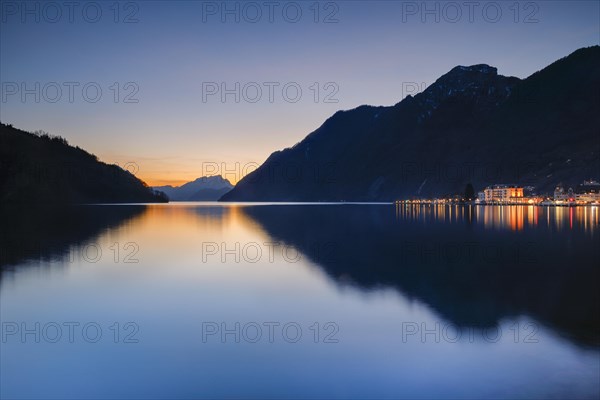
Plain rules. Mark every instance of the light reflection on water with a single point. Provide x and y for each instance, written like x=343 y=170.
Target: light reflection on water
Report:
x=410 y=319
x=512 y=217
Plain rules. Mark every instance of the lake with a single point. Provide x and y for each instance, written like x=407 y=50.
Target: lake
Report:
x=210 y=300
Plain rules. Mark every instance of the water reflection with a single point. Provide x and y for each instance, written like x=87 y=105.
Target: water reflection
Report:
x=473 y=265
x=367 y=268
x=35 y=235
x=511 y=217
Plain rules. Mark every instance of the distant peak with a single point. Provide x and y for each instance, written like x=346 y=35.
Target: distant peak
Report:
x=212 y=178
x=461 y=77
x=479 y=83
x=481 y=68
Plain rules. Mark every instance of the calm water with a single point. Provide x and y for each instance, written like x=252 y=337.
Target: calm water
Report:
x=300 y=301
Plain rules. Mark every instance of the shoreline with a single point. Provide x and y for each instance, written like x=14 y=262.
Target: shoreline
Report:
x=540 y=204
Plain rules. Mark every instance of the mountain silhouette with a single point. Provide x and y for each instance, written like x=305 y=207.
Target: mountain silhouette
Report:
x=470 y=126
x=40 y=168
x=206 y=188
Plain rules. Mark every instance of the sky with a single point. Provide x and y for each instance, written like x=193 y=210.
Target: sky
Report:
x=174 y=90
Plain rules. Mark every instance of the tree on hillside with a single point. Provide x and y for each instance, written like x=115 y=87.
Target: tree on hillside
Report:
x=469 y=192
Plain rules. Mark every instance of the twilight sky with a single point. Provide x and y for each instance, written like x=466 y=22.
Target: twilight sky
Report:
x=162 y=66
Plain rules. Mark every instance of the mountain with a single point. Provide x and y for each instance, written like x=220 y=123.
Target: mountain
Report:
x=40 y=168
x=470 y=126
x=206 y=188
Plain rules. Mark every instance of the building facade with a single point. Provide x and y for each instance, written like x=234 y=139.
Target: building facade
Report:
x=503 y=194
x=587 y=192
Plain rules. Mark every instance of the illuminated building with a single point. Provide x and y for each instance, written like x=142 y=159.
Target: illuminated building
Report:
x=587 y=192
x=503 y=194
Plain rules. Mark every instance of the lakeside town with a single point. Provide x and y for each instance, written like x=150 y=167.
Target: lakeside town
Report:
x=584 y=194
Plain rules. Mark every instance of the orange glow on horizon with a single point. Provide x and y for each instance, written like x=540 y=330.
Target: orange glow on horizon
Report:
x=161 y=173
x=151 y=181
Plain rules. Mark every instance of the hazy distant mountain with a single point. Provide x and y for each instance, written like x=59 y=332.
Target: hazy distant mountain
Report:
x=206 y=188
x=471 y=125
x=39 y=168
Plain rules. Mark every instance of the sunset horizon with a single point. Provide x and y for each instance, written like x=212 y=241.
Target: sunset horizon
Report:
x=165 y=105
x=311 y=200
